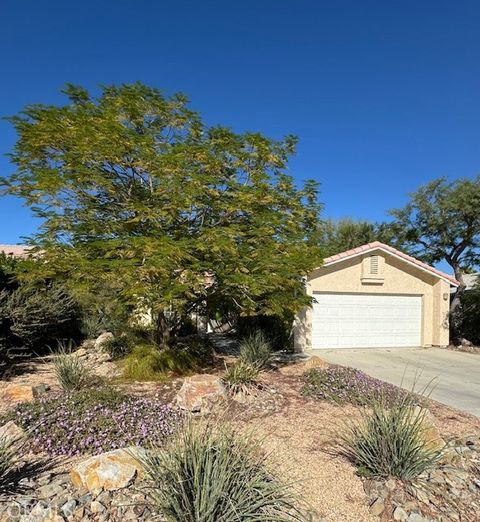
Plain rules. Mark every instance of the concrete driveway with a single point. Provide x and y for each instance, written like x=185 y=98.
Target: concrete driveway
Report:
x=456 y=375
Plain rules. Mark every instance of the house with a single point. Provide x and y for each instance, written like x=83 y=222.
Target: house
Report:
x=375 y=296
x=14 y=250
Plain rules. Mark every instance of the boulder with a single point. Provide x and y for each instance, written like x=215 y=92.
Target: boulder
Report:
x=199 y=392
x=14 y=393
x=108 y=370
x=430 y=432
x=11 y=433
x=113 y=470
x=315 y=362
x=102 y=338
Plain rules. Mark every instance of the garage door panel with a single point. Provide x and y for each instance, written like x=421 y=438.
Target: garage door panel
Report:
x=366 y=320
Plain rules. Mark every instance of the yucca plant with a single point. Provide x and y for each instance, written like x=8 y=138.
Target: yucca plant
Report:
x=241 y=376
x=256 y=349
x=390 y=441
x=71 y=372
x=209 y=472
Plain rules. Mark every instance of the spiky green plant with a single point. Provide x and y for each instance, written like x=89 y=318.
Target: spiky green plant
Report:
x=71 y=372
x=390 y=441
x=256 y=349
x=241 y=376
x=209 y=472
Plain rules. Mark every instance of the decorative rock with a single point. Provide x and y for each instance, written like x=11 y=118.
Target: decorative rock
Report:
x=69 y=508
x=400 y=514
x=315 y=362
x=198 y=392
x=108 y=369
x=415 y=517
x=14 y=393
x=97 y=507
x=430 y=432
x=378 y=507
x=11 y=433
x=50 y=490
x=112 y=470
x=102 y=338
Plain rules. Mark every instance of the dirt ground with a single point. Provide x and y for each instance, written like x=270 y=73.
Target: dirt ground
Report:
x=298 y=432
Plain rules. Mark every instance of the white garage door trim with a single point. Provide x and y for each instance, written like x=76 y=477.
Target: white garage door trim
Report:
x=341 y=320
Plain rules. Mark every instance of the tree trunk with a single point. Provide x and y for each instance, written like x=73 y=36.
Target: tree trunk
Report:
x=456 y=306
x=162 y=330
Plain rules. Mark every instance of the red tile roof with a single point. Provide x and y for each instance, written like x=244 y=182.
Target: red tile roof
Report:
x=15 y=250
x=376 y=245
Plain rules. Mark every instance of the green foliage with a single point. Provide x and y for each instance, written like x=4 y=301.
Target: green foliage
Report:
x=70 y=371
x=442 y=222
x=34 y=316
x=345 y=234
x=390 y=442
x=137 y=193
x=255 y=349
x=276 y=328
x=149 y=363
x=199 y=347
x=210 y=472
x=118 y=346
x=241 y=376
x=469 y=327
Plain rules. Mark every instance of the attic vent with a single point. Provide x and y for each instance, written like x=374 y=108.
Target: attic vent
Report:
x=374 y=265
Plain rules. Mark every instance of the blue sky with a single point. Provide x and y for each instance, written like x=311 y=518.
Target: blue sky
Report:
x=383 y=95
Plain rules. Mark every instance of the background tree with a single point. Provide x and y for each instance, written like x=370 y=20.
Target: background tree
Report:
x=134 y=189
x=441 y=222
x=346 y=233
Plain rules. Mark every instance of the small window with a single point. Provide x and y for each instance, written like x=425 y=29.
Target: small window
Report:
x=374 y=265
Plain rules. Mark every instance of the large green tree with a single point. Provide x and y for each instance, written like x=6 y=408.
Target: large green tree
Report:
x=441 y=222
x=346 y=233
x=135 y=191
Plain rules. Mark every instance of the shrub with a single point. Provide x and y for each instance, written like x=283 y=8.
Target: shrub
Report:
x=389 y=441
x=38 y=315
x=149 y=363
x=118 y=346
x=71 y=372
x=210 y=472
x=256 y=349
x=470 y=318
x=199 y=347
x=241 y=376
x=340 y=385
x=278 y=330
x=94 y=421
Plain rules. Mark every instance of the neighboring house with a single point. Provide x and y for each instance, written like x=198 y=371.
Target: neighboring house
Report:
x=375 y=296
x=14 y=250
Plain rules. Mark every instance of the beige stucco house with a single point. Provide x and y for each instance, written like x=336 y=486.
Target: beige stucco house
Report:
x=374 y=296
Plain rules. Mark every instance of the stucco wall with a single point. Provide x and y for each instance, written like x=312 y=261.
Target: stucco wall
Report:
x=398 y=277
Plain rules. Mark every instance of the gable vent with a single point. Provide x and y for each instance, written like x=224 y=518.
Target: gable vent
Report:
x=374 y=265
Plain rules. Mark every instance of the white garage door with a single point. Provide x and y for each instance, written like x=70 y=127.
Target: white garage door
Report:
x=366 y=320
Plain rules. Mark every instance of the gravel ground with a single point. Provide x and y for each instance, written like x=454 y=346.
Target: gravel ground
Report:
x=301 y=435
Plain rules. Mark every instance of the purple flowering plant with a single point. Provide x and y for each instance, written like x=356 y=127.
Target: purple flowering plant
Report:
x=340 y=384
x=95 y=421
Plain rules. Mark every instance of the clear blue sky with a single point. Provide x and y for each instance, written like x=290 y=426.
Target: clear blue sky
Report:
x=383 y=95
